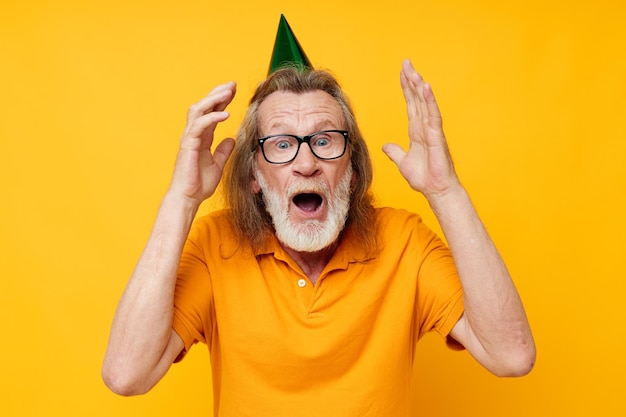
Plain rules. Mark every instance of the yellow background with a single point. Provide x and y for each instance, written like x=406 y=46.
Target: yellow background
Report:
x=93 y=99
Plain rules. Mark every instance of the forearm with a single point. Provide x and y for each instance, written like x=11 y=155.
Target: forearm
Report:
x=496 y=320
x=142 y=326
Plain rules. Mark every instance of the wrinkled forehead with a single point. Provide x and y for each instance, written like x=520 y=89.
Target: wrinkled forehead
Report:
x=305 y=112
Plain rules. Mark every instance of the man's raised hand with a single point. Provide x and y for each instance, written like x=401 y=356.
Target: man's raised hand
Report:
x=199 y=169
x=427 y=165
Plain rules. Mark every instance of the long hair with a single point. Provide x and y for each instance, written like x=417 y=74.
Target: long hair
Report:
x=250 y=219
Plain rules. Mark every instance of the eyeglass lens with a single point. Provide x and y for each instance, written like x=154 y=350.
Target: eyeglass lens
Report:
x=324 y=145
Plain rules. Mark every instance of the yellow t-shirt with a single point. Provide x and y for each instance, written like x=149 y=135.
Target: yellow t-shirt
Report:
x=281 y=346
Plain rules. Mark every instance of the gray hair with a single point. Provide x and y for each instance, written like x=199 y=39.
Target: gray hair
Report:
x=250 y=220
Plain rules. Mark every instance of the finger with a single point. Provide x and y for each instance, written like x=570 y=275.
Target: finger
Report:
x=394 y=152
x=414 y=80
x=409 y=86
x=412 y=88
x=223 y=151
x=231 y=87
x=434 y=114
x=410 y=96
x=204 y=127
x=216 y=100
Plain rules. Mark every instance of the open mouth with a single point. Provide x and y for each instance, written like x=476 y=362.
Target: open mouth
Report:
x=308 y=202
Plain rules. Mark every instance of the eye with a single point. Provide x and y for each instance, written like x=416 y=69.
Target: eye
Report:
x=322 y=139
x=321 y=142
x=283 y=144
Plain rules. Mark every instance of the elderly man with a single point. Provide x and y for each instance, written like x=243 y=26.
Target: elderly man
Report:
x=310 y=300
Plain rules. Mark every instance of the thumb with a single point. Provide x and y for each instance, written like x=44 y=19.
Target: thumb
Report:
x=394 y=152
x=223 y=151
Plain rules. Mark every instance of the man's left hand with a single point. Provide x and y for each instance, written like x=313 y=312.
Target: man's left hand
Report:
x=427 y=165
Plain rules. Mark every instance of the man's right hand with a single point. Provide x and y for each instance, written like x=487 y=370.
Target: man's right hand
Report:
x=198 y=170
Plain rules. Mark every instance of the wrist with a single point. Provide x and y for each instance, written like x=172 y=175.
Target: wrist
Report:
x=449 y=200
x=178 y=202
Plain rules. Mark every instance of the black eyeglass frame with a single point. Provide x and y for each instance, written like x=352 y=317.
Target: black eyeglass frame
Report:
x=306 y=139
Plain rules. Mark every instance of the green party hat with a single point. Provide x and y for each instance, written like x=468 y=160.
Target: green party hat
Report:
x=287 y=49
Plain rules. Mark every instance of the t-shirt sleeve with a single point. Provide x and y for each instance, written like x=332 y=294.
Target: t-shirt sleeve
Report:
x=193 y=295
x=439 y=292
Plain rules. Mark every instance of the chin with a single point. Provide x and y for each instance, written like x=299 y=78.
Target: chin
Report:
x=313 y=236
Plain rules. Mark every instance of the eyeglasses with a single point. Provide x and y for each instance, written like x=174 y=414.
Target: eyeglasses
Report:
x=325 y=145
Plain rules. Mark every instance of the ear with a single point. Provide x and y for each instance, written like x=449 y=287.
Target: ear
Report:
x=254 y=185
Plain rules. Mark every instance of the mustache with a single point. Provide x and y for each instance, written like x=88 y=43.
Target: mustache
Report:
x=308 y=186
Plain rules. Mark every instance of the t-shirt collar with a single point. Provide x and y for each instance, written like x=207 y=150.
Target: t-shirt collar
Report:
x=350 y=250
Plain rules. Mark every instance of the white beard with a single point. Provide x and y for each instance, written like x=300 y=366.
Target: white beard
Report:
x=310 y=235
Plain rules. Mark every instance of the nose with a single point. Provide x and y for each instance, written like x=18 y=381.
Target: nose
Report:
x=306 y=163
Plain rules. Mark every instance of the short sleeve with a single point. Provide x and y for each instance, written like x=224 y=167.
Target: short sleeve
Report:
x=439 y=297
x=193 y=296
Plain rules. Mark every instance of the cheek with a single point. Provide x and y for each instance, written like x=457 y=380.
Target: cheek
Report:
x=262 y=182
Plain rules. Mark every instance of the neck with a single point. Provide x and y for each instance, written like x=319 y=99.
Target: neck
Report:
x=312 y=263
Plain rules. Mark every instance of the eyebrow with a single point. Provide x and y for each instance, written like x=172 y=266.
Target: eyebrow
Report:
x=322 y=125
